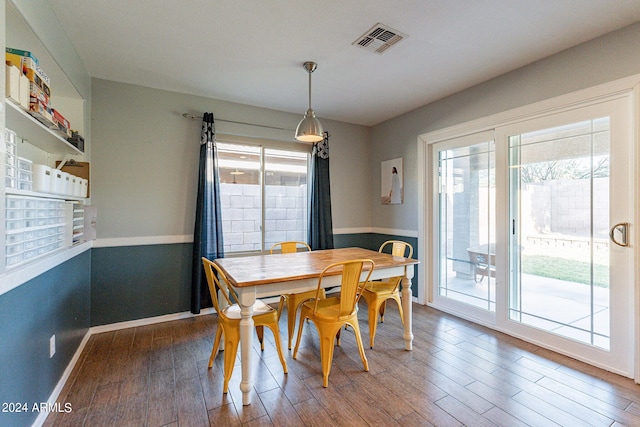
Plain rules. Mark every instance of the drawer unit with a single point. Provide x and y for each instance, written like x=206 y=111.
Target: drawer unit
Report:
x=25 y=174
x=74 y=222
x=33 y=227
x=11 y=159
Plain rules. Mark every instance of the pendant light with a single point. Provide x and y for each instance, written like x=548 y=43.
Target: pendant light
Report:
x=309 y=129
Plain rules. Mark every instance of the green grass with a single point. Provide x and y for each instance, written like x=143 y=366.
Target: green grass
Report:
x=565 y=269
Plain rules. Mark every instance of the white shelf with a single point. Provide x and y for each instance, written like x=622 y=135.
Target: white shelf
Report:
x=17 y=192
x=37 y=134
x=25 y=272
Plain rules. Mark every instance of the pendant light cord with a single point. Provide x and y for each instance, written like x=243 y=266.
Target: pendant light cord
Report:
x=310 y=89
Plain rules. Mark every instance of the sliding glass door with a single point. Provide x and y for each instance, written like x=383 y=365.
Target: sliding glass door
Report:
x=570 y=270
x=466 y=212
x=533 y=231
x=559 y=243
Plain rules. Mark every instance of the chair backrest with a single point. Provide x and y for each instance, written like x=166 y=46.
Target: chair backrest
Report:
x=398 y=248
x=290 y=247
x=350 y=283
x=216 y=279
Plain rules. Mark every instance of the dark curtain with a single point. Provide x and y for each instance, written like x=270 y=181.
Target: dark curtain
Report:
x=320 y=226
x=207 y=235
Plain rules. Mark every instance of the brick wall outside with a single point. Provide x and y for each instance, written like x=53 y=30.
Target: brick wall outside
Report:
x=285 y=215
x=562 y=207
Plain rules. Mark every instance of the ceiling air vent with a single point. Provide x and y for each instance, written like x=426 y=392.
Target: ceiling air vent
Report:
x=379 y=38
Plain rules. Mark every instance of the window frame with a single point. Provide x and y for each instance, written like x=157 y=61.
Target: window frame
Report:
x=267 y=144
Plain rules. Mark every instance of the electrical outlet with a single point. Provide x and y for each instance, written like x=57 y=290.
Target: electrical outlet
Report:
x=52 y=346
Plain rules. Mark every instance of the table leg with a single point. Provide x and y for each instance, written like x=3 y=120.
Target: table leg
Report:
x=246 y=343
x=407 y=299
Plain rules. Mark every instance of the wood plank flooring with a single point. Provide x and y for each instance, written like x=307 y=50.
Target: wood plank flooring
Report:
x=458 y=374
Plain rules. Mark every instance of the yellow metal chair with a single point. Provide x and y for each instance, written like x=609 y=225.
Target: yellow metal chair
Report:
x=229 y=321
x=330 y=314
x=293 y=301
x=377 y=293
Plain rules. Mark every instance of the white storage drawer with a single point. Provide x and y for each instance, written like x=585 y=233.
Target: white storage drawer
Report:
x=14 y=224
x=11 y=238
x=14 y=260
x=14 y=213
x=10 y=182
x=11 y=171
x=25 y=164
x=14 y=249
x=13 y=202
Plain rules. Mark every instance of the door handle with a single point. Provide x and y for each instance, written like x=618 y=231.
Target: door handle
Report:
x=623 y=228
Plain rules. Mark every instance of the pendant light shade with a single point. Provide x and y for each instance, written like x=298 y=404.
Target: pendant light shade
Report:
x=309 y=129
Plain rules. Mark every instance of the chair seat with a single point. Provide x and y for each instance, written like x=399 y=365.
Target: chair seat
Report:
x=328 y=309
x=259 y=309
x=380 y=288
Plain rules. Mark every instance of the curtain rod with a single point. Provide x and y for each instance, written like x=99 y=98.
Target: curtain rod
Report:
x=192 y=117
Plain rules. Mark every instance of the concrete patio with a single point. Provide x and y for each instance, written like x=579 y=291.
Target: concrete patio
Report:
x=557 y=306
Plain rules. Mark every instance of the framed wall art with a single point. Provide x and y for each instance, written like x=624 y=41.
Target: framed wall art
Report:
x=392 y=179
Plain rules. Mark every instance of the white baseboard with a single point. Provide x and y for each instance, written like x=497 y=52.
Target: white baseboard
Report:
x=42 y=416
x=141 y=241
x=147 y=321
x=376 y=230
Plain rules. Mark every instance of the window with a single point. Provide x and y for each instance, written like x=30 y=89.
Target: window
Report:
x=263 y=196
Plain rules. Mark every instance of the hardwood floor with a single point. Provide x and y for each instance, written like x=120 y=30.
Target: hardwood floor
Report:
x=458 y=374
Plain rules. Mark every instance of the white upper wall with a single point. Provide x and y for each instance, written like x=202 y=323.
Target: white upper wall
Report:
x=607 y=58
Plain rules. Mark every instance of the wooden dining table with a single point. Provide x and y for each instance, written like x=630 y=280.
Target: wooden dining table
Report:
x=273 y=275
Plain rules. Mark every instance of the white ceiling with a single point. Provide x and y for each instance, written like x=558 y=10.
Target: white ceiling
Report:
x=251 y=51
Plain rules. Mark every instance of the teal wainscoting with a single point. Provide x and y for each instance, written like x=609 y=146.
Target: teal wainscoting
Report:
x=56 y=302
x=373 y=241
x=137 y=282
